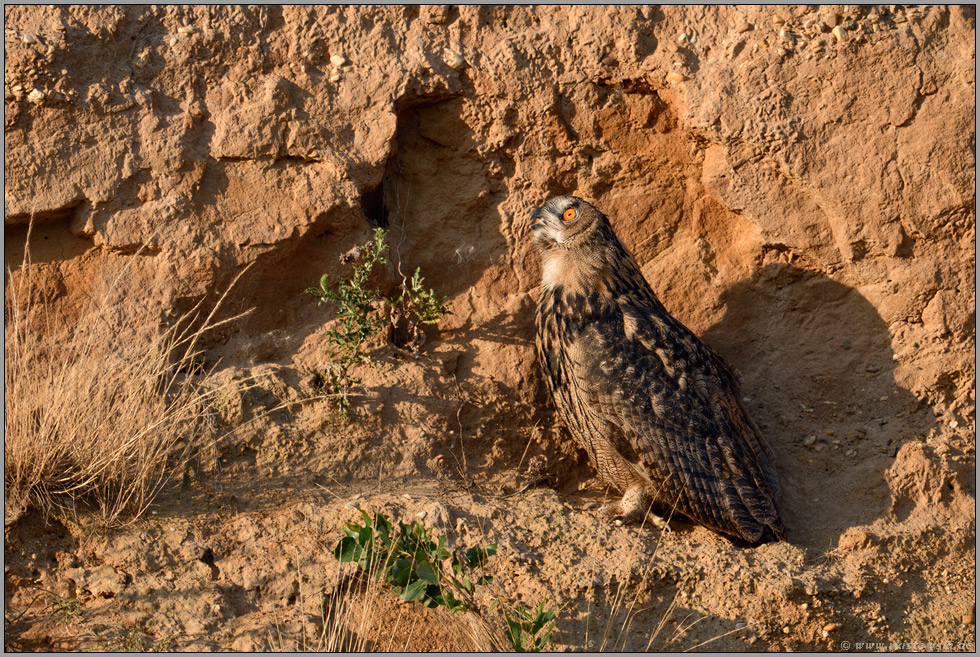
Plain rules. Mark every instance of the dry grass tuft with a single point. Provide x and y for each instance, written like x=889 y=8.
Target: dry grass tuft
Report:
x=99 y=413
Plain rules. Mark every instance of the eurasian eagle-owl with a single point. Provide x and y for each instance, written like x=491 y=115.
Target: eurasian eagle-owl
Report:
x=655 y=408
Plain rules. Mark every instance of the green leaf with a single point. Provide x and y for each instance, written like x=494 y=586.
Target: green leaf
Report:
x=401 y=571
x=414 y=591
x=347 y=550
x=427 y=573
x=476 y=557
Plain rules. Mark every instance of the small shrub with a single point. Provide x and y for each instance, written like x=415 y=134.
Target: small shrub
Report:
x=67 y=608
x=363 y=312
x=358 y=316
x=419 y=566
x=530 y=629
x=413 y=308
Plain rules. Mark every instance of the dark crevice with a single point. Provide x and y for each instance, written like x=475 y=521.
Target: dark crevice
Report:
x=373 y=205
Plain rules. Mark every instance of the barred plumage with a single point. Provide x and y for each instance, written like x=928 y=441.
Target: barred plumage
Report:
x=656 y=409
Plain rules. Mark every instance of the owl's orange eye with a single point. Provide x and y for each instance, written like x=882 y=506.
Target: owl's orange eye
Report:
x=569 y=214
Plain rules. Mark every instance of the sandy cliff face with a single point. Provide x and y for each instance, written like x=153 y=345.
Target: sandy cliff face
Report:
x=798 y=185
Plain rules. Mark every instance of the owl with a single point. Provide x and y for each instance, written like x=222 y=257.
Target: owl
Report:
x=655 y=408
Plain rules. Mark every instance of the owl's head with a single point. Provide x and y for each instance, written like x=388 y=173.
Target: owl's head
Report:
x=563 y=219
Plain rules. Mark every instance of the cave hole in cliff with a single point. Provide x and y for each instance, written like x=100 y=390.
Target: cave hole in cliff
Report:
x=373 y=205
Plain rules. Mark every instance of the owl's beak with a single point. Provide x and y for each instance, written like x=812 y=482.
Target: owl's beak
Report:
x=539 y=219
x=535 y=214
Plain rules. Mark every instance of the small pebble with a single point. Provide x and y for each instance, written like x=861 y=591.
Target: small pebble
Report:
x=832 y=20
x=777 y=19
x=168 y=576
x=186 y=29
x=609 y=61
x=953 y=424
x=421 y=515
x=830 y=627
x=786 y=629
x=809 y=440
x=29 y=38
x=453 y=59
x=969 y=619
x=739 y=625
x=353 y=504
x=840 y=34
x=338 y=60
x=36 y=96
x=676 y=77
x=173 y=41
x=743 y=27
x=846 y=344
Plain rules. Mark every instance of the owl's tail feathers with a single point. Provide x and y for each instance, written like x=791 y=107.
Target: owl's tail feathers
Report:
x=751 y=499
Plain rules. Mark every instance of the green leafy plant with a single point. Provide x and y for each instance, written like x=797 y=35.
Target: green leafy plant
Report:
x=413 y=308
x=363 y=312
x=530 y=629
x=417 y=564
x=421 y=568
x=67 y=608
x=359 y=317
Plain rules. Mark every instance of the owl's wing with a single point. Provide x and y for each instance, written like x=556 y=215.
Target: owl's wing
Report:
x=675 y=402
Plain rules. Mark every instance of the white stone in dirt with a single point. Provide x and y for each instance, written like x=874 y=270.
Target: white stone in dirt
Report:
x=453 y=59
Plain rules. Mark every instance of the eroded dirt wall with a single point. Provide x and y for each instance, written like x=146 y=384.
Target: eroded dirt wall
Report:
x=797 y=184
